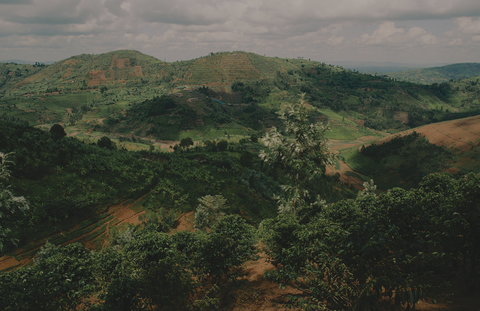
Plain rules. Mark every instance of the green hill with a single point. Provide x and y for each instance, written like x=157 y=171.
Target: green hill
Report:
x=438 y=74
x=224 y=94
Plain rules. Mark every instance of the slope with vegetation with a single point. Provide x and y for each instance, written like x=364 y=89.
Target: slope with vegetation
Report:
x=333 y=248
x=242 y=89
x=353 y=253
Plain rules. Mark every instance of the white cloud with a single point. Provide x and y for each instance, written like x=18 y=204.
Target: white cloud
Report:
x=181 y=12
x=466 y=33
x=335 y=41
x=319 y=28
x=466 y=25
x=388 y=34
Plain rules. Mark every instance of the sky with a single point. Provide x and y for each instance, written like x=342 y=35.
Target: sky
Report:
x=404 y=31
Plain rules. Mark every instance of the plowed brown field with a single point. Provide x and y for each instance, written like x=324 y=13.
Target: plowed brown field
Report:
x=460 y=135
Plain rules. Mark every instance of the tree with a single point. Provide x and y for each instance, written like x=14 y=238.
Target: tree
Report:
x=302 y=152
x=57 y=132
x=209 y=210
x=229 y=244
x=222 y=145
x=369 y=189
x=210 y=145
x=9 y=203
x=106 y=142
x=186 y=142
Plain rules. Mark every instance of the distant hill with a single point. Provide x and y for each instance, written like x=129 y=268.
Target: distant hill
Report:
x=381 y=67
x=438 y=74
x=27 y=62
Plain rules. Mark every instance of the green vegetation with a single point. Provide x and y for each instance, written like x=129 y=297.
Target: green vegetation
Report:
x=9 y=203
x=216 y=118
x=354 y=253
x=66 y=180
x=121 y=93
x=146 y=268
x=341 y=252
x=302 y=152
x=402 y=161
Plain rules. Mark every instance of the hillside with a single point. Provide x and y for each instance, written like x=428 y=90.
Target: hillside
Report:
x=229 y=94
x=438 y=74
x=138 y=210
x=135 y=209
x=405 y=158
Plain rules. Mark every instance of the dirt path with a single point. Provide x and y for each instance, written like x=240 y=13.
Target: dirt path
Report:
x=259 y=294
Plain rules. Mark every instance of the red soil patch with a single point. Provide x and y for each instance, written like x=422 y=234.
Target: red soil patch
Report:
x=97 y=77
x=119 y=62
x=260 y=294
x=453 y=170
x=125 y=214
x=336 y=145
x=122 y=62
x=122 y=213
x=360 y=122
x=257 y=294
x=138 y=71
x=7 y=262
x=344 y=168
x=185 y=222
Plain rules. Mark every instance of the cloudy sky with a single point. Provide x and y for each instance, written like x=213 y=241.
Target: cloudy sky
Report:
x=407 y=31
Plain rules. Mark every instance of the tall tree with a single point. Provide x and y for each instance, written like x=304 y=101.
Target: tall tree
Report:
x=302 y=151
x=9 y=203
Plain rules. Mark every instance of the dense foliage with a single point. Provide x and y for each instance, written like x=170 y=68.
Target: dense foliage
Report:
x=67 y=181
x=144 y=268
x=352 y=253
x=410 y=157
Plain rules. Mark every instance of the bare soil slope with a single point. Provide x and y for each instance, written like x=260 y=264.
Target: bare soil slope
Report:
x=460 y=135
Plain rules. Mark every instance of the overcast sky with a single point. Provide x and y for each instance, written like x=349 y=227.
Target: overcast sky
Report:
x=407 y=31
